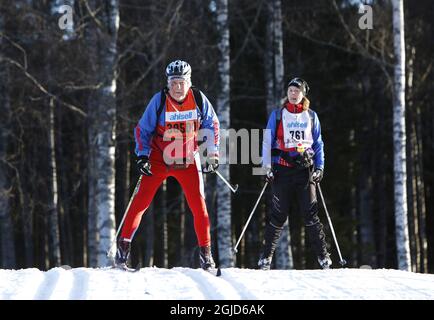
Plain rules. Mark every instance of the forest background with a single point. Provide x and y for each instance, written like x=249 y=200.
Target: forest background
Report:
x=72 y=91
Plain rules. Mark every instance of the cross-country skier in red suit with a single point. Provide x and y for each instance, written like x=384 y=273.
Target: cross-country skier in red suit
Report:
x=166 y=146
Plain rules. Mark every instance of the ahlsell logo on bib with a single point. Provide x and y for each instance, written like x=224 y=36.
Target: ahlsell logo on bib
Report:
x=181 y=116
x=297 y=125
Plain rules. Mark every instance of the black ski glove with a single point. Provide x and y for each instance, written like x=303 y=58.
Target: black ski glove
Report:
x=304 y=160
x=317 y=175
x=143 y=165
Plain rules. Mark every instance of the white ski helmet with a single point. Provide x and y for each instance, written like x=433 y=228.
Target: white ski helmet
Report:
x=178 y=69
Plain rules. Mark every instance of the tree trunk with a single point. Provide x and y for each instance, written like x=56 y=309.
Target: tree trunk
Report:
x=399 y=140
x=53 y=215
x=274 y=82
x=181 y=226
x=7 y=243
x=91 y=235
x=421 y=202
x=269 y=58
x=366 y=227
x=353 y=212
x=160 y=246
x=189 y=240
x=352 y=209
x=68 y=237
x=274 y=69
x=160 y=216
x=416 y=192
x=411 y=170
x=224 y=229
x=102 y=130
x=174 y=199
x=211 y=204
x=302 y=248
x=278 y=52
x=27 y=218
x=383 y=199
x=148 y=222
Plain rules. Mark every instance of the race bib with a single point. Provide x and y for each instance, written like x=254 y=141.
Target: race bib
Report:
x=297 y=129
x=180 y=130
x=181 y=120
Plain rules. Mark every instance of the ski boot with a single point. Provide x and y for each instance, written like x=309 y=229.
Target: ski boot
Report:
x=324 y=261
x=264 y=263
x=122 y=253
x=206 y=260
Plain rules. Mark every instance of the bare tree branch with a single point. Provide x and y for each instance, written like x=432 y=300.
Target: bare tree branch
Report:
x=41 y=87
x=16 y=45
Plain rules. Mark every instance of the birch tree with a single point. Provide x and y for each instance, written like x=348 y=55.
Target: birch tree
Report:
x=399 y=139
x=415 y=183
x=102 y=115
x=274 y=71
x=223 y=108
x=53 y=206
x=53 y=215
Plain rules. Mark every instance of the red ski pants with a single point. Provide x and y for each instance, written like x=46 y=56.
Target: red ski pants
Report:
x=191 y=181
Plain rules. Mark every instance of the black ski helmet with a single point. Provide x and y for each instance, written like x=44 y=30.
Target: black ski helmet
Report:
x=301 y=84
x=178 y=69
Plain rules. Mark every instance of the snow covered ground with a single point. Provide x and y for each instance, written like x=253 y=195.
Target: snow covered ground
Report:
x=196 y=284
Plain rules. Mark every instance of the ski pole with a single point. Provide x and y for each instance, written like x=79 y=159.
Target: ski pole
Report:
x=342 y=261
x=250 y=217
x=110 y=253
x=233 y=188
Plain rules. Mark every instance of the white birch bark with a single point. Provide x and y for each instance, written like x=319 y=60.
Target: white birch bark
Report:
x=53 y=215
x=278 y=52
x=102 y=132
x=399 y=140
x=274 y=67
x=223 y=207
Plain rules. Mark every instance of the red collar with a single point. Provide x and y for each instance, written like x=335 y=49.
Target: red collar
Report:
x=294 y=108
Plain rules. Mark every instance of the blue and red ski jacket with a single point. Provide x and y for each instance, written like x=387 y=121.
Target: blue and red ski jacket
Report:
x=274 y=140
x=149 y=124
